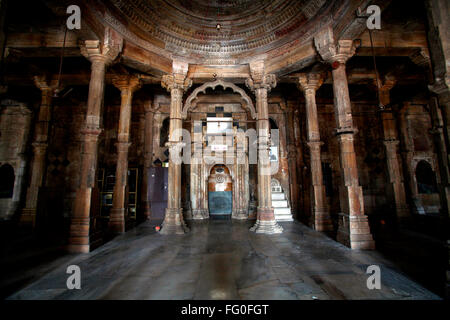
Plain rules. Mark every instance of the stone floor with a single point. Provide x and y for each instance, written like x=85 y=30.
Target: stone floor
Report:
x=223 y=260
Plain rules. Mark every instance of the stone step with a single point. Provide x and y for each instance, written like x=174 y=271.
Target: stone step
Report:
x=281 y=211
x=280 y=203
x=281 y=208
x=284 y=218
x=278 y=196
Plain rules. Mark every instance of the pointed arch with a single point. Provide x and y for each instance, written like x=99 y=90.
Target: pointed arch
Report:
x=190 y=101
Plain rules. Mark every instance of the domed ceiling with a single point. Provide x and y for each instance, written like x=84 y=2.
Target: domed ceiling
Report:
x=218 y=31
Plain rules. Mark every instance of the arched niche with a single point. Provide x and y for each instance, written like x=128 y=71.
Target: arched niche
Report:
x=191 y=100
x=425 y=178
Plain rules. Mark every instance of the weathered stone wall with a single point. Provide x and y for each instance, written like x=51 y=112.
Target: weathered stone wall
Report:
x=15 y=120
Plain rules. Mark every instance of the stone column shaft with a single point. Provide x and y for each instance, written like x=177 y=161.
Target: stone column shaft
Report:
x=118 y=216
x=439 y=46
x=148 y=159
x=292 y=159
x=353 y=228
x=100 y=56
x=173 y=223
x=320 y=219
x=40 y=145
x=391 y=143
x=265 y=222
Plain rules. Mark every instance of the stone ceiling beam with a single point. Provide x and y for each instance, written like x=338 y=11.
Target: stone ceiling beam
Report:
x=145 y=61
x=235 y=73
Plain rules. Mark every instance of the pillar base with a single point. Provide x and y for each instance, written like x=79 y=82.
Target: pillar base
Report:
x=240 y=214
x=200 y=214
x=354 y=232
x=173 y=222
x=28 y=217
x=117 y=221
x=266 y=222
x=79 y=240
x=78 y=248
x=321 y=220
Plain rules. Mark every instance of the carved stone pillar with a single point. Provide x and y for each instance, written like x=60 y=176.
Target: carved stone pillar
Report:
x=303 y=204
x=127 y=86
x=439 y=40
x=100 y=55
x=148 y=160
x=354 y=230
x=292 y=161
x=196 y=190
x=391 y=143
x=261 y=84
x=320 y=219
x=40 y=145
x=439 y=46
x=441 y=126
x=293 y=180
x=240 y=183
x=176 y=84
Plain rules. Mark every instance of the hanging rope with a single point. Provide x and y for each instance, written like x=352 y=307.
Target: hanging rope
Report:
x=377 y=76
x=61 y=62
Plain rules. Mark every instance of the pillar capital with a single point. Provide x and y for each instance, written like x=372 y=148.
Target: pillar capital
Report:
x=100 y=52
x=387 y=83
x=421 y=58
x=333 y=52
x=384 y=88
x=127 y=83
x=148 y=106
x=47 y=87
x=176 y=81
x=259 y=79
x=441 y=85
x=315 y=145
x=265 y=81
x=310 y=81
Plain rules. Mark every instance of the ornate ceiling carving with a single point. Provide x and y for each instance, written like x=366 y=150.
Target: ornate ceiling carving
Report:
x=188 y=28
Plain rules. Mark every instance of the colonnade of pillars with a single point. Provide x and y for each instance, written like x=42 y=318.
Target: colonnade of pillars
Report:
x=353 y=223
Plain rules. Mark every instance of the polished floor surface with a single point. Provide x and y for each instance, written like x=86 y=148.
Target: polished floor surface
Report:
x=221 y=259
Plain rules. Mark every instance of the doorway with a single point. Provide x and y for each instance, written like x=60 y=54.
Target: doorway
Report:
x=220 y=194
x=158 y=190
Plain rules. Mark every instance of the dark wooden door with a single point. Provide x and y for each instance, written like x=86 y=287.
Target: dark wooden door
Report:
x=157 y=191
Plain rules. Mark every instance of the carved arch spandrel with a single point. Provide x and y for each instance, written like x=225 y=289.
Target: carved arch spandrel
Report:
x=225 y=85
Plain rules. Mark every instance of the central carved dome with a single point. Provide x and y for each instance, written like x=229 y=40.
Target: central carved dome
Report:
x=188 y=28
x=219 y=10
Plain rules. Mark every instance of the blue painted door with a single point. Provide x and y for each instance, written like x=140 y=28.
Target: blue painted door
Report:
x=220 y=202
